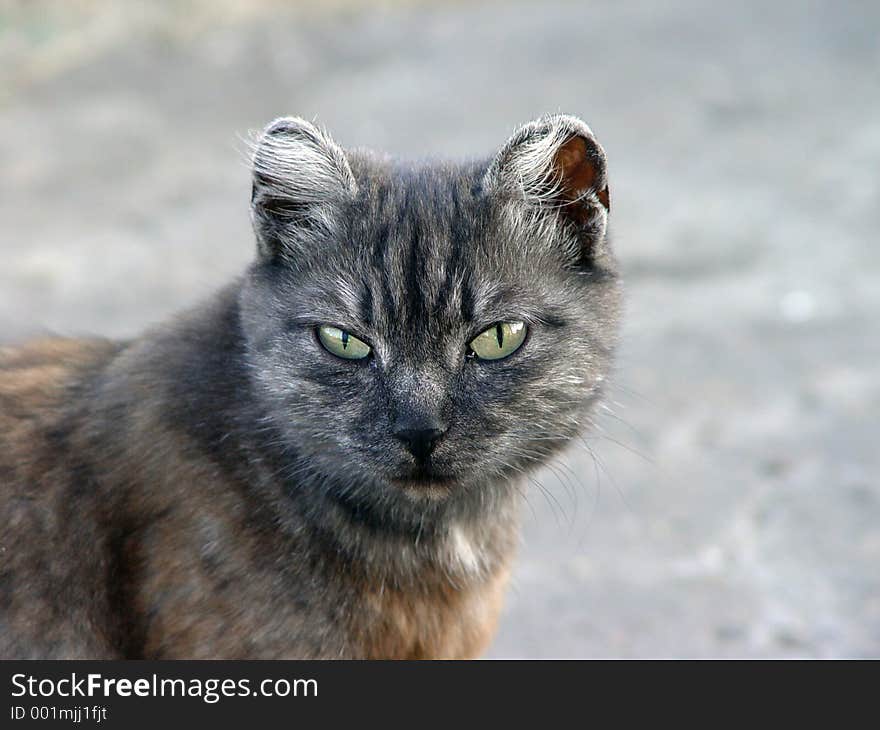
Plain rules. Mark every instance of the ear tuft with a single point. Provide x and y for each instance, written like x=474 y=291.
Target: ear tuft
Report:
x=299 y=173
x=556 y=167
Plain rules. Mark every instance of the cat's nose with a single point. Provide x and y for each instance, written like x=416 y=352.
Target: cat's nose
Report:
x=420 y=442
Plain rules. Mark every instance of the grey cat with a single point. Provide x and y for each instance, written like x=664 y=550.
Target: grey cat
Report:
x=327 y=458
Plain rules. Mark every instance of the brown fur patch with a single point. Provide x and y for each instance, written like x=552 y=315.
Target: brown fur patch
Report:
x=444 y=623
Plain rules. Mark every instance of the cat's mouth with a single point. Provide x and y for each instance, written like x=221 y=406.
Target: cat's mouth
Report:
x=424 y=479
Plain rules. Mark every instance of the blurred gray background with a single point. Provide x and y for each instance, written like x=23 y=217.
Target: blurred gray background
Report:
x=731 y=504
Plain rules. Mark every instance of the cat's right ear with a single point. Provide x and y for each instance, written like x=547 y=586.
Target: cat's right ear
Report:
x=299 y=176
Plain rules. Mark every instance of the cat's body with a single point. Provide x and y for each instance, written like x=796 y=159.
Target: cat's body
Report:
x=224 y=487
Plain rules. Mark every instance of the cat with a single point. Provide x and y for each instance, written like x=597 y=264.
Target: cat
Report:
x=327 y=458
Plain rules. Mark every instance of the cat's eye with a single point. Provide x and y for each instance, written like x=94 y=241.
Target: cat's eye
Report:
x=342 y=344
x=499 y=341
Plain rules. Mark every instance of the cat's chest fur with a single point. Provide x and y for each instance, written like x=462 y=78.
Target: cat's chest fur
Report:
x=350 y=619
x=210 y=584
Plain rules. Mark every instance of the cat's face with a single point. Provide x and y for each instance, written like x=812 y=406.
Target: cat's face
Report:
x=429 y=330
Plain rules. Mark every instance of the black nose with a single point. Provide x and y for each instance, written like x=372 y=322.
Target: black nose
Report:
x=420 y=442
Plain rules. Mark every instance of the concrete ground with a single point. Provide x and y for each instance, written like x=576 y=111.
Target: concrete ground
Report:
x=731 y=504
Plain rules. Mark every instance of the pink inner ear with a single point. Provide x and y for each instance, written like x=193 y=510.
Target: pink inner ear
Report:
x=576 y=166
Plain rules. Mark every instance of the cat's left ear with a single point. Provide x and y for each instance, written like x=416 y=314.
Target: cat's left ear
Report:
x=555 y=168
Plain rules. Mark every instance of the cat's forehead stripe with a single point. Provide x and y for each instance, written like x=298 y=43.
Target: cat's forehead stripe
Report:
x=420 y=232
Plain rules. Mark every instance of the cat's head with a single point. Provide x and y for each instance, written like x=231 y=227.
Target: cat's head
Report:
x=426 y=330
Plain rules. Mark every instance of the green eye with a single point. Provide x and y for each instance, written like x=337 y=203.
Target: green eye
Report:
x=499 y=341
x=342 y=344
